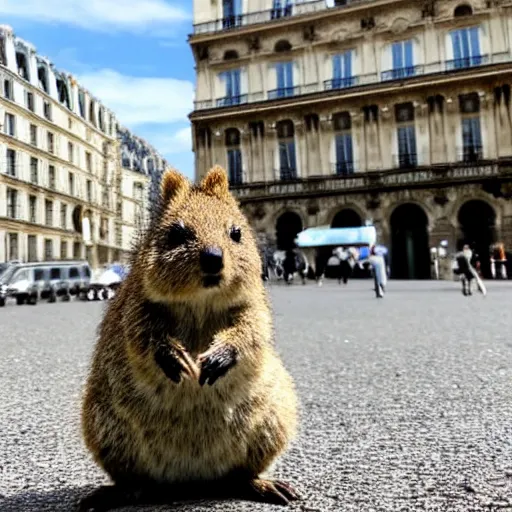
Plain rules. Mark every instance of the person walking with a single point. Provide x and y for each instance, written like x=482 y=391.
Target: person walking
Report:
x=378 y=265
x=466 y=261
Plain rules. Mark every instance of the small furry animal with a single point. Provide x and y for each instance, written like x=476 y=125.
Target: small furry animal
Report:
x=186 y=390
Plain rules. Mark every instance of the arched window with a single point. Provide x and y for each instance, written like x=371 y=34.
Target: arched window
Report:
x=287 y=153
x=230 y=55
x=342 y=126
x=282 y=46
x=234 y=156
x=463 y=10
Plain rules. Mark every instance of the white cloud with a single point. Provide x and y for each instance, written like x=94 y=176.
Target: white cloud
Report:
x=99 y=15
x=141 y=100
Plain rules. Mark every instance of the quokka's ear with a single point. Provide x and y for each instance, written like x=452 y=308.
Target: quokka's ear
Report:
x=174 y=185
x=215 y=183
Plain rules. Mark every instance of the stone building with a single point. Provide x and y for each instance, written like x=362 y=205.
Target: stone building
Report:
x=67 y=189
x=346 y=112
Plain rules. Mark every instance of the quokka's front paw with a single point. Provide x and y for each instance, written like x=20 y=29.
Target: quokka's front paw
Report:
x=216 y=362
x=176 y=362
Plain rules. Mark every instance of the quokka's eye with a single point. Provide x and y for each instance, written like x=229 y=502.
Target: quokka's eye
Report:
x=178 y=235
x=235 y=234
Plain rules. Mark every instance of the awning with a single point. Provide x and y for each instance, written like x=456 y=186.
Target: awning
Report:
x=321 y=237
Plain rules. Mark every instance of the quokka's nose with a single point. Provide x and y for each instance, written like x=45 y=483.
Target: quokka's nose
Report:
x=211 y=260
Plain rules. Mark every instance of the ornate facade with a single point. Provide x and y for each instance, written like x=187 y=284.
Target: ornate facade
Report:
x=71 y=183
x=347 y=112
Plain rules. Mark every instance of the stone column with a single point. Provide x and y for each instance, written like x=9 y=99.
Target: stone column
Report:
x=384 y=125
x=503 y=123
x=490 y=149
x=324 y=147
x=451 y=121
x=358 y=140
x=312 y=141
x=218 y=153
x=300 y=149
x=269 y=150
x=245 y=148
x=436 y=125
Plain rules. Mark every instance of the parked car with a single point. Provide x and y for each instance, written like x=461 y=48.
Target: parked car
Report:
x=105 y=285
x=29 y=282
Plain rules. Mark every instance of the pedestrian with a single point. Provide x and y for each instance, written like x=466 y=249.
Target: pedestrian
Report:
x=378 y=266
x=466 y=262
x=345 y=267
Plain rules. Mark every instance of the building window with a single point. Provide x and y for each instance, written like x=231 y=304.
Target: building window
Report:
x=51 y=177
x=88 y=161
x=8 y=89
x=63 y=250
x=34 y=170
x=11 y=162
x=466 y=48
x=33 y=135
x=30 y=101
x=138 y=192
x=51 y=143
x=233 y=88
x=342 y=71
x=71 y=181
x=48 y=249
x=71 y=152
x=21 y=61
x=462 y=10
x=32 y=248
x=287 y=153
x=42 y=76
x=92 y=112
x=342 y=125
x=10 y=124
x=234 y=156
x=63 y=216
x=33 y=209
x=13 y=246
x=47 y=109
x=81 y=103
x=63 y=92
x=77 y=250
x=284 y=80
x=89 y=191
x=406 y=135
x=472 y=149
x=48 y=212
x=402 y=61
x=12 y=203
x=281 y=8
x=231 y=13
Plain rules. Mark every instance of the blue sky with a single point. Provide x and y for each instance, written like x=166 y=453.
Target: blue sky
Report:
x=131 y=54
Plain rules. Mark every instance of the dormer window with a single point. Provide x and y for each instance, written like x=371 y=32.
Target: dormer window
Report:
x=21 y=62
x=42 y=76
x=63 y=92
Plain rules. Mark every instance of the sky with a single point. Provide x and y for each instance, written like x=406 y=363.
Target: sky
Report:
x=132 y=55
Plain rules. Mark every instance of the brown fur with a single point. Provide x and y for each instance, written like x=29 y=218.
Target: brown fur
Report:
x=137 y=422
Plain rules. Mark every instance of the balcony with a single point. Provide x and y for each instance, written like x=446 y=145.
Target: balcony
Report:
x=287 y=173
x=229 y=101
x=405 y=160
x=300 y=7
x=346 y=168
x=375 y=181
x=470 y=153
x=371 y=79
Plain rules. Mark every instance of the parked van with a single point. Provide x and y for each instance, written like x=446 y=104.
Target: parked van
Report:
x=29 y=282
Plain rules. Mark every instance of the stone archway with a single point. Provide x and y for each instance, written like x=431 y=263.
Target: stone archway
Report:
x=410 y=252
x=288 y=225
x=477 y=227
x=347 y=218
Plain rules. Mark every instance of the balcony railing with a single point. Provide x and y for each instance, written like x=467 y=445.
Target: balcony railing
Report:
x=405 y=160
x=467 y=62
x=287 y=173
x=421 y=176
x=470 y=153
x=401 y=73
x=283 y=92
x=229 y=101
x=346 y=168
x=364 y=80
x=252 y=18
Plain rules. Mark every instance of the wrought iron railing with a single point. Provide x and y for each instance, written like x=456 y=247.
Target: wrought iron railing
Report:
x=467 y=62
x=299 y=7
x=405 y=160
x=229 y=101
x=470 y=153
x=346 y=168
x=361 y=80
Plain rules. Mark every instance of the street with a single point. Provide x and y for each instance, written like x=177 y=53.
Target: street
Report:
x=406 y=402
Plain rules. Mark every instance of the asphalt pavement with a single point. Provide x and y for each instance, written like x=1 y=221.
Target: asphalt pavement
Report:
x=406 y=401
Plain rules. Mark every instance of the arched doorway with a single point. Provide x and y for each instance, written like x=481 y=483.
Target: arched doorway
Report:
x=410 y=252
x=477 y=222
x=347 y=218
x=288 y=225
